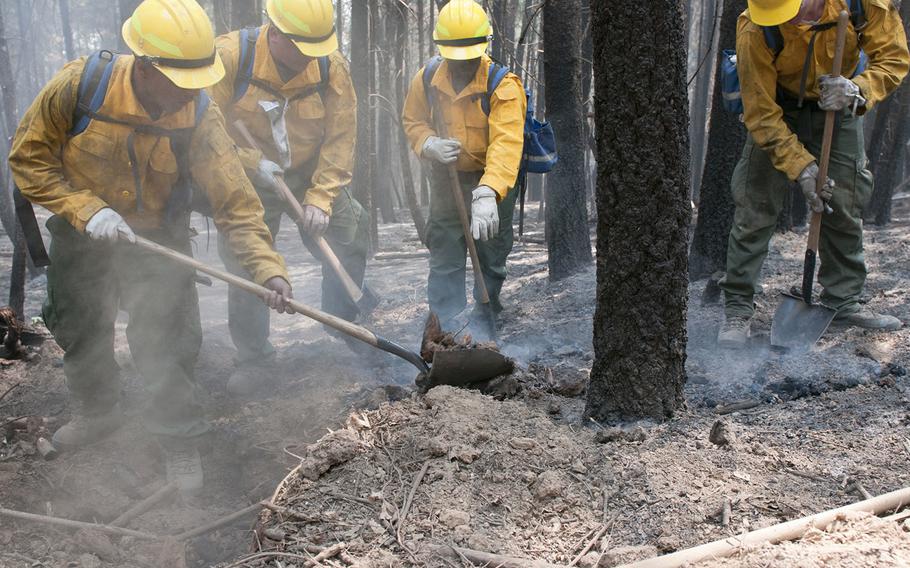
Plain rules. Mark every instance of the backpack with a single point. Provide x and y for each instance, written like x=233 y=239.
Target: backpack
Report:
x=730 y=87
x=539 y=155
x=93 y=86
x=248 y=38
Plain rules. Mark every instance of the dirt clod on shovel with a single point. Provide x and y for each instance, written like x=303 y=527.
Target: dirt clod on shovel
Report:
x=436 y=340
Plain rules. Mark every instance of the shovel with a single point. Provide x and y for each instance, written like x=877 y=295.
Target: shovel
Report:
x=454 y=367
x=798 y=324
x=458 y=196
x=363 y=297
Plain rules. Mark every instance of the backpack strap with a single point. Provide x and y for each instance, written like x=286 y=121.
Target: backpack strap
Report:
x=429 y=71
x=774 y=39
x=93 y=84
x=325 y=70
x=858 y=16
x=248 y=39
x=494 y=79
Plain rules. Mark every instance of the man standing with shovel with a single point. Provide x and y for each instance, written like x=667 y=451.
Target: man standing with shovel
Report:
x=291 y=108
x=451 y=118
x=114 y=146
x=785 y=52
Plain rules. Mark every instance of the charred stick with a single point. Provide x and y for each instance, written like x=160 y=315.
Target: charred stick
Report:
x=44 y=519
x=145 y=505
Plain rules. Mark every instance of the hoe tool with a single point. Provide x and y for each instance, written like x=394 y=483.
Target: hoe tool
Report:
x=458 y=196
x=798 y=323
x=363 y=297
x=450 y=368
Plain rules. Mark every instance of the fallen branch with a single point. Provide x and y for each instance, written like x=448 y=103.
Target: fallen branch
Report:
x=590 y=545
x=737 y=406
x=144 y=506
x=406 y=507
x=44 y=519
x=9 y=390
x=489 y=559
x=790 y=530
x=218 y=523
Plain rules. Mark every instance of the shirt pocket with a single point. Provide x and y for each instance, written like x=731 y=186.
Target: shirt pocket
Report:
x=477 y=133
x=162 y=175
x=310 y=118
x=91 y=157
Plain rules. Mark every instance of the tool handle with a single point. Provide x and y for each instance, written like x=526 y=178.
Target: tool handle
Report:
x=830 y=122
x=458 y=196
x=334 y=322
x=350 y=287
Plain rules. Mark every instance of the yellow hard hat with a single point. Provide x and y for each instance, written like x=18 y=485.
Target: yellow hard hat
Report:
x=462 y=30
x=773 y=12
x=310 y=24
x=175 y=36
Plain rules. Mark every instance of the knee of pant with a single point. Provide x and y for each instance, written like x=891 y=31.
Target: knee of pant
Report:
x=447 y=266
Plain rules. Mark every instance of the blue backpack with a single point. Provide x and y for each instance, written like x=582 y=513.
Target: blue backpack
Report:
x=539 y=155
x=93 y=86
x=248 y=38
x=729 y=75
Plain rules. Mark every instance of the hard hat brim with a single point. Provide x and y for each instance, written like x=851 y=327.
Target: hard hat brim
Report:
x=197 y=78
x=774 y=16
x=463 y=53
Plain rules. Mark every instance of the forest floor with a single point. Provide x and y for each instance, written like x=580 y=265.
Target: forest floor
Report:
x=519 y=473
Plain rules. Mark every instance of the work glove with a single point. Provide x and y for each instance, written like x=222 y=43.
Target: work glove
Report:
x=442 y=150
x=484 y=214
x=839 y=93
x=315 y=221
x=264 y=176
x=108 y=225
x=817 y=200
x=279 y=295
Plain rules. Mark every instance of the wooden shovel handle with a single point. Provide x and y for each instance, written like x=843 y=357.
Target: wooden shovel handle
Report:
x=828 y=137
x=351 y=288
x=458 y=196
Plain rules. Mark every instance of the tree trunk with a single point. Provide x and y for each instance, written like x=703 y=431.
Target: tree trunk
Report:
x=222 y=16
x=373 y=48
x=360 y=73
x=568 y=240
x=727 y=136
x=643 y=212
x=245 y=14
x=10 y=223
x=700 y=105
x=892 y=133
x=68 y=48
x=383 y=184
x=339 y=24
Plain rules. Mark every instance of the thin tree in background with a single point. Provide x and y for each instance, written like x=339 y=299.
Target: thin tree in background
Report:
x=10 y=223
x=889 y=143
x=568 y=240
x=361 y=70
x=66 y=24
x=726 y=137
x=126 y=8
x=643 y=211
x=702 y=79
x=245 y=14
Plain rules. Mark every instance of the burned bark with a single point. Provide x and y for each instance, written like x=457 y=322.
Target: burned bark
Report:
x=67 y=27
x=643 y=211
x=568 y=241
x=726 y=138
x=361 y=69
x=245 y=14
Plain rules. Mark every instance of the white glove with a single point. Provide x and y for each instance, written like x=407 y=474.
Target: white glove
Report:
x=264 y=176
x=808 y=180
x=108 y=225
x=441 y=150
x=315 y=221
x=484 y=214
x=838 y=93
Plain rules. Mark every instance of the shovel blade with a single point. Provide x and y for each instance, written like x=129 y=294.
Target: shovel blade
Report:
x=797 y=326
x=369 y=300
x=466 y=367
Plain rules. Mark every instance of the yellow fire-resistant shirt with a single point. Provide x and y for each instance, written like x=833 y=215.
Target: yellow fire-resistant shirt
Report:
x=76 y=176
x=493 y=144
x=322 y=127
x=761 y=74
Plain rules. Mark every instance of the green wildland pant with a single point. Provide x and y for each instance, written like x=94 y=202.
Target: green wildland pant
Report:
x=87 y=282
x=759 y=192
x=448 y=248
x=348 y=235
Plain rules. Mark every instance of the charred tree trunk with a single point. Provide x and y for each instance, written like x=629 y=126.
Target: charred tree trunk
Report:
x=373 y=45
x=222 y=13
x=245 y=14
x=700 y=104
x=568 y=241
x=360 y=73
x=339 y=24
x=643 y=206
x=10 y=223
x=67 y=27
x=384 y=184
x=727 y=136
x=891 y=134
